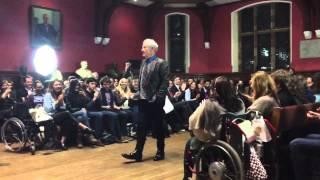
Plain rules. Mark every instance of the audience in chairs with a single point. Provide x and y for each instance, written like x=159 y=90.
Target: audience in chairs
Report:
x=54 y=104
x=205 y=122
x=76 y=103
x=96 y=111
x=110 y=108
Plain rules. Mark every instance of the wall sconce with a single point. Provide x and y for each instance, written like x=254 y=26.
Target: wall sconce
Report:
x=97 y=40
x=105 y=41
x=207 y=45
x=317 y=31
x=307 y=34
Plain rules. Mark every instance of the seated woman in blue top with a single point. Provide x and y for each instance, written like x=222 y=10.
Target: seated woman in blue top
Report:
x=55 y=106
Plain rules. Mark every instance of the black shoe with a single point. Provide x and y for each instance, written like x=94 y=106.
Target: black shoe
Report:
x=88 y=131
x=93 y=141
x=63 y=146
x=135 y=155
x=159 y=156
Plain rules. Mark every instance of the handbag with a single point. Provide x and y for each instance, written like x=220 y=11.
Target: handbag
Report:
x=256 y=171
x=38 y=114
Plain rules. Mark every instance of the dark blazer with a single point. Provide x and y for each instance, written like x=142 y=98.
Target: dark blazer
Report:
x=157 y=79
x=172 y=92
x=93 y=105
x=104 y=98
x=46 y=36
x=75 y=101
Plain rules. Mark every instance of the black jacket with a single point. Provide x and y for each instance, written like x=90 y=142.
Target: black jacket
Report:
x=93 y=105
x=172 y=92
x=157 y=79
x=75 y=101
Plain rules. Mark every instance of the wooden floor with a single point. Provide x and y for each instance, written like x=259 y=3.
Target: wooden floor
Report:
x=96 y=163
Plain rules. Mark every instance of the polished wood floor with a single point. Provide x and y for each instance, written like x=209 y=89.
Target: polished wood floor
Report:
x=95 y=163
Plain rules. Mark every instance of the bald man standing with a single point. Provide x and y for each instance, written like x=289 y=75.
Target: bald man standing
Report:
x=153 y=83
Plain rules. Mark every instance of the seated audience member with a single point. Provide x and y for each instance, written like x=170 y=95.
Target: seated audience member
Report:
x=205 y=122
x=170 y=85
x=310 y=83
x=76 y=103
x=37 y=96
x=184 y=108
x=95 y=75
x=192 y=95
x=26 y=90
x=7 y=99
x=291 y=91
x=298 y=88
x=97 y=111
x=123 y=94
x=108 y=104
x=242 y=91
x=281 y=78
x=205 y=89
x=265 y=98
x=175 y=92
x=316 y=87
x=178 y=117
x=115 y=83
x=264 y=94
x=305 y=152
x=189 y=82
x=54 y=104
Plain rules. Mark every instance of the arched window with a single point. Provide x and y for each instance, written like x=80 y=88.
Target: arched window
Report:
x=177 y=42
x=261 y=37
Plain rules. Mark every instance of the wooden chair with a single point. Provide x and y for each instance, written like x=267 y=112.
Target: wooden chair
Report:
x=290 y=122
x=290 y=117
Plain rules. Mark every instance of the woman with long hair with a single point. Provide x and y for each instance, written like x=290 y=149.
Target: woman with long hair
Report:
x=76 y=103
x=123 y=94
x=264 y=94
x=205 y=122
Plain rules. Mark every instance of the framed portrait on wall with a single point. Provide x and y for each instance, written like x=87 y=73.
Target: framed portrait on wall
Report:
x=45 y=27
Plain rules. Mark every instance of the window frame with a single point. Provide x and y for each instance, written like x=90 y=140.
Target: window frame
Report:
x=236 y=35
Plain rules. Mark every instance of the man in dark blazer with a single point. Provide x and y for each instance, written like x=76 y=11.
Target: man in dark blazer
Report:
x=153 y=84
x=176 y=93
x=45 y=32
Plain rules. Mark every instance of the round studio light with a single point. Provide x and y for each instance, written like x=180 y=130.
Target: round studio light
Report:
x=45 y=60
